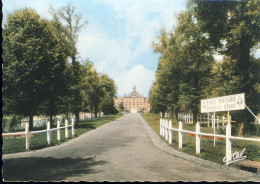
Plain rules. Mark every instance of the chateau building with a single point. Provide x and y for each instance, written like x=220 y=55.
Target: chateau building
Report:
x=133 y=102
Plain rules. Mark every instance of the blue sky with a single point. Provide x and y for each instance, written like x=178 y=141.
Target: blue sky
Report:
x=119 y=34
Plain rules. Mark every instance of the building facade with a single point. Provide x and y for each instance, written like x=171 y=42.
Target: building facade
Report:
x=133 y=102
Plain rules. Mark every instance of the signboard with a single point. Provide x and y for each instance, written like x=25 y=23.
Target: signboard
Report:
x=224 y=103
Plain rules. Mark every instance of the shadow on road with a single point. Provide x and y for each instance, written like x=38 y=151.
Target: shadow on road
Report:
x=87 y=126
x=47 y=168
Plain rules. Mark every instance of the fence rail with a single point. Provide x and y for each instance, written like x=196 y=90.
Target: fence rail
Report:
x=28 y=133
x=208 y=119
x=41 y=121
x=166 y=131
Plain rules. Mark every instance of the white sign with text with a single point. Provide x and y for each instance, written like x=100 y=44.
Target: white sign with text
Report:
x=224 y=103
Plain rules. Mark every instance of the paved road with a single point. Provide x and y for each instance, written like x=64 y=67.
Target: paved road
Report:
x=126 y=149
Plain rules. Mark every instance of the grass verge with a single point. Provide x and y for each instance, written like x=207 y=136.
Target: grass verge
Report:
x=208 y=150
x=14 y=144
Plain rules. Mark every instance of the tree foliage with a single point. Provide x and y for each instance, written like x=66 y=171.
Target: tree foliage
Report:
x=37 y=75
x=187 y=71
x=233 y=28
x=33 y=65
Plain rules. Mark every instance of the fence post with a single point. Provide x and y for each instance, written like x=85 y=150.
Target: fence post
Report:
x=66 y=129
x=197 y=138
x=212 y=123
x=58 y=130
x=217 y=123
x=228 y=141
x=208 y=119
x=72 y=128
x=166 y=130
x=170 y=132
x=164 y=122
x=160 y=126
x=27 y=136
x=214 y=127
x=49 y=133
x=223 y=122
x=180 y=135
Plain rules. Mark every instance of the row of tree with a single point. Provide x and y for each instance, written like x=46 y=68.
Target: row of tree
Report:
x=41 y=72
x=187 y=71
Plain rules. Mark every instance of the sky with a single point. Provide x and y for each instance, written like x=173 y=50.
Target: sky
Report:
x=118 y=36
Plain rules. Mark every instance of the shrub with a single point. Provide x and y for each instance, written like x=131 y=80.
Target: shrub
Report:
x=10 y=123
x=252 y=152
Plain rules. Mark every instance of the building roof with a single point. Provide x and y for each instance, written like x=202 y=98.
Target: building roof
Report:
x=134 y=94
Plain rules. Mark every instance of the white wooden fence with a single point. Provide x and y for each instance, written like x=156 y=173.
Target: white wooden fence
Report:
x=48 y=131
x=209 y=119
x=84 y=116
x=40 y=121
x=166 y=130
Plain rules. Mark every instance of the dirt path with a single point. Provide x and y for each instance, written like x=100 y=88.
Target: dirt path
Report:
x=126 y=149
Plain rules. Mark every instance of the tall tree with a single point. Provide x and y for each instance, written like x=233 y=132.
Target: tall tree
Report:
x=32 y=63
x=93 y=89
x=157 y=99
x=108 y=104
x=76 y=93
x=184 y=66
x=233 y=29
x=72 y=24
x=197 y=61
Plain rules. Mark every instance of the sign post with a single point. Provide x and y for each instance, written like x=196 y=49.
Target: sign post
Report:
x=224 y=103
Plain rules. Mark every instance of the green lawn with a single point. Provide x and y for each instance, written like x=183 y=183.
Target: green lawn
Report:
x=208 y=150
x=14 y=144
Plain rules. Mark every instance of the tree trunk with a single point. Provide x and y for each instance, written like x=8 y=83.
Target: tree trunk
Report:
x=67 y=111
x=244 y=122
x=51 y=121
x=30 y=122
x=76 y=118
x=176 y=115
x=241 y=129
x=163 y=114
x=95 y=113
x=195 y=118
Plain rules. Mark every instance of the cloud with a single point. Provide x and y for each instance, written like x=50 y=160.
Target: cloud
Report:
x=144 y=19
x=102 y=50
x=137 y=76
